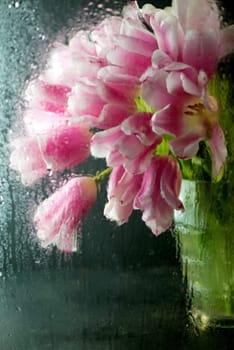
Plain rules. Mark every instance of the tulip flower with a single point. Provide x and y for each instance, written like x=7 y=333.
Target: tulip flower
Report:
x=61 y=148
x=121 y=192
x=134 y=90
x=58 y=217
x=158 y=195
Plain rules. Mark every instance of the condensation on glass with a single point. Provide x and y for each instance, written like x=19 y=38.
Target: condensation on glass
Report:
x=123 y=289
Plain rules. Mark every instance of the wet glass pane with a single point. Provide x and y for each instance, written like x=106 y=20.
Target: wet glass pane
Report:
x=124 y=288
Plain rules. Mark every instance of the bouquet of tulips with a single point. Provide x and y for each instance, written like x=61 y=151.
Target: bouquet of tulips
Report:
x=134 y=90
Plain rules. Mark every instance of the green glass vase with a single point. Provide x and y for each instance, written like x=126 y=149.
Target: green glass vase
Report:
x=205 y=231
x=205 y=240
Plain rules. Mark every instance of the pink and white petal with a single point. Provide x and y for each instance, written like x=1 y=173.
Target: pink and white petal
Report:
x=170 y=184
x=81 y=45
x=62 y=66
x=147 y=11
x=129 y=146
x=136 y=45
x=190 y=86
x=115 y=211
x=26 y=158
x=130 y=11
x=105 y=142
x=144 y=195
x=136 y=30
x=197 y=14
x=84 y=99
x=103 y=34
x=122 y=189
x=180 y=9
x=66 y=240
x=123 y=93
x=102 y=142
x=218 y=149
x=154 y=89
x=113 y=115
x=179 y=66
x=86 y=67
x=65 y=147
x=141 y=162
x=168 y=33
x=115 y=159
x=187 y=145
x=226 y=45
x=168 y=120
x=39 y=122
x=115 y=176
x=160 y=59
x=57 y=218
x=174 y=84
x=90 y=120
x=117 y=75
x=129 y=186
x=162 y=219
x=137 y=63
x=157 y=214
x=139 y=125
x=39 y=91
x=201 y=50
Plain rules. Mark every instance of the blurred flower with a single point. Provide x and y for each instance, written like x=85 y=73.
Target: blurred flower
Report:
x=59 y=149
x=130 y=144
x=121 y=192
x=190 y=44
x=134 y=90
x=159 y=192
x=57 y=218
x=27 y=160
x=123 y=48
x=190 y=32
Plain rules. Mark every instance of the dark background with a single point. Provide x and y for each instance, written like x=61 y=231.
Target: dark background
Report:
x=124 y=288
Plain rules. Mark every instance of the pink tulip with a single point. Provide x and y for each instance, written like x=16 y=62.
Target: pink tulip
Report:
x=190 y=44
x=106 y=101
x=218 y=149
x=62 y=148
x=141 y=82
x=66 y=64
x=124 y=47
x=47 y=97
x=130 y=144
x=201 y=24
x=26 y=158
x=58 y=217
x=66 y=146
x=158 y=194
x=121 y=191
x=190 y=32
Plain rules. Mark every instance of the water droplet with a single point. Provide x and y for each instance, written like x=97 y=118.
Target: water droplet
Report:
x=1 y=200
x=50 y=172
x=33 y=66
x=15 y=4
x=41 y=36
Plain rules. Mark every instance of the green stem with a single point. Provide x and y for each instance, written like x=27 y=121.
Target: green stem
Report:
x=100 y=175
